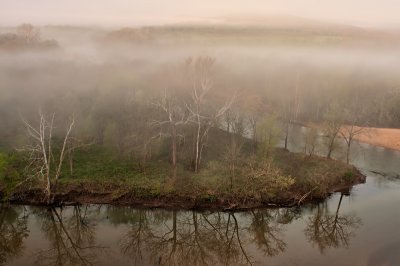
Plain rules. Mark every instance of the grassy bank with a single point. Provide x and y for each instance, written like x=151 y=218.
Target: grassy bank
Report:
x=99 y=176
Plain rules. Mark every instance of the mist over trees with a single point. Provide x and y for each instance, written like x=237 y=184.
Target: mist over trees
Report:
x=25 y=37
x=133 y=91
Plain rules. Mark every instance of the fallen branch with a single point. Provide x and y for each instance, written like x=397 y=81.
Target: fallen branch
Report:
x=306 y=195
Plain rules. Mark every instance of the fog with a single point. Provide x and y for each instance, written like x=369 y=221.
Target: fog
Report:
x=91 y=70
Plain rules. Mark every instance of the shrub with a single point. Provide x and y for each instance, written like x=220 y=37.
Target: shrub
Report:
x=3 y=165
x=348 y=176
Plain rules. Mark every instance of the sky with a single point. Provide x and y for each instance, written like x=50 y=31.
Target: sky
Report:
x=150 y=12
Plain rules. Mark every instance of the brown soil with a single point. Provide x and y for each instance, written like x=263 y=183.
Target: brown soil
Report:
x=72 y=195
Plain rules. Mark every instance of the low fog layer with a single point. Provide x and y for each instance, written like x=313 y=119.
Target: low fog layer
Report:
x=96 y=72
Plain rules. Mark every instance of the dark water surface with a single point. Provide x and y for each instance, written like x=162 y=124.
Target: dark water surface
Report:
x=360 y=229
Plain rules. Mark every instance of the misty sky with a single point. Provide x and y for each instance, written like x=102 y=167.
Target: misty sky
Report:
x=140 y=12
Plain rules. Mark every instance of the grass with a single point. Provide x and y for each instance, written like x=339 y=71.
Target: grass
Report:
x=99 y=175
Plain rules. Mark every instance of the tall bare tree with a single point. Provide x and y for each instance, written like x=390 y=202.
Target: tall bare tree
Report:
x=234 y=149
x=203 y=114
x=174 y=116
x=350 y=131
x=42 y=152
x=310 y=141
x=332 y=126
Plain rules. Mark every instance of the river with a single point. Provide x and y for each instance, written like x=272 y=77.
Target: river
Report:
x=356 y=229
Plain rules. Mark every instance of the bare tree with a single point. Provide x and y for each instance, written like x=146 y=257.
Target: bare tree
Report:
x=348 y=133
x=289 y=111
x=234 y=149
x=175 y=116
x=41 y=152
x=332 y=126
x=143 y=141
x=72 y=145
x=253 y=108
x=297 y=100
x=310 y=141
x=287 y=118
x=351 y=130
x=202 y=115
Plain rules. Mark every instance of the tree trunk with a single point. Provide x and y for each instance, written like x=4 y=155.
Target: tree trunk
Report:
x=71 y=161
x=330 y=148
x=287 y=135
x=254 y=138
x=196 y=163
x=348 y=153
x=173 y=140
x=329 y=153
x=48 y=191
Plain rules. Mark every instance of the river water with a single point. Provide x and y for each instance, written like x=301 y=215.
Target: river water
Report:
x=357 y=229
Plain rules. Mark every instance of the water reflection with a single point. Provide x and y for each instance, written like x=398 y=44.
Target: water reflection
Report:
x=13 y=231
x=184 y=238
x=363 y=156
x=192 y=238
x=326 y=230
x=71 y=236
x=107 y=235
x=387 y=255
x=267 y=233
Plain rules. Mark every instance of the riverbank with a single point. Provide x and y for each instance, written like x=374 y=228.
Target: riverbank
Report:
x=383 y=137
x=286 y=179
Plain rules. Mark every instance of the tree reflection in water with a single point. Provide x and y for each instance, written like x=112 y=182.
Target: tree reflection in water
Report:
x=160 y=237
x=13 y=231
x=267 y=233
x=327 y=230
x=71 y=237
x=192 y=238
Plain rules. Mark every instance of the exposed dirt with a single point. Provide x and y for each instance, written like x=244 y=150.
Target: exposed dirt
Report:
x=74 y=195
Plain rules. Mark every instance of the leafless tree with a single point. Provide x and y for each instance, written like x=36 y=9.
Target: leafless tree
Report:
x=351 y=130
x=234 y=149
x=41 y=151
x=289 y=111
x=72 y=145
x=287 y=118
x=174 y=116
x=143 y=142
x=202 y=115
x=333 y=124
x=254 y=109
x=310 y=141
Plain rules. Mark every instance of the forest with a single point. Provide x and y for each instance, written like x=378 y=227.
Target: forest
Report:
x=199 y=113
